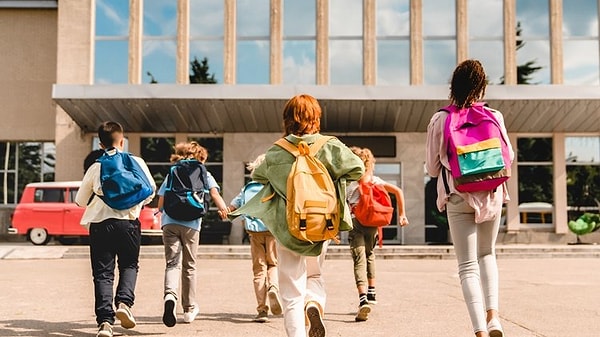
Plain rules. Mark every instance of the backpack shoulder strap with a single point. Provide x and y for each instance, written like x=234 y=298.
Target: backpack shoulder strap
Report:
x=289 y=147
x=318 y=144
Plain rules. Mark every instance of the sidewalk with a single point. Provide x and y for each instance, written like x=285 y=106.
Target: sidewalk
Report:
x=546 y=290
x=539 y=297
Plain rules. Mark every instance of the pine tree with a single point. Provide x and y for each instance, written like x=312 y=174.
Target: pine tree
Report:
x=200 y=72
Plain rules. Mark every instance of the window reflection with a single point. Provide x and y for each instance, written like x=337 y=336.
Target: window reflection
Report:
x=111 y=62
x=533 y=19
x=345 y=62
x=582 y=150
x=253 y=62
x=299 y=62
x=253 y=18
x=393 y=62
x=439 y=61
x=345 y=18
x=490 y=53
x=580 y=45
x=439 y=18
x=159 y=60
x=299 y=18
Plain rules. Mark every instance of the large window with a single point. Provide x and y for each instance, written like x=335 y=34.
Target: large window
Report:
x=159 y=46
x=253 y=41
x=393 y=46
x=111 y=43
x=156 y=151
x=299 y=42
x=533 y=41
x=345 y=41
x=535 y=164
x=580 y=44
x=439 y=40
x=485 y=37
x=583 y=175
x=206 y=34
x=24 y=163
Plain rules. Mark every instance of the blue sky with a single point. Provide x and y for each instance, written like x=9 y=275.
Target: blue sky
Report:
x=580 y=28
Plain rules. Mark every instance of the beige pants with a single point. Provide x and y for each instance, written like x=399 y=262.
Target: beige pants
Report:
x=181 y=247
x=264 y=266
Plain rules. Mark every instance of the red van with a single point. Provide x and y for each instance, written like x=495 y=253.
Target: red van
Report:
x=48 y=210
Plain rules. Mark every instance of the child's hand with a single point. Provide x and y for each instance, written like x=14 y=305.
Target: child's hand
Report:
x=403 y=220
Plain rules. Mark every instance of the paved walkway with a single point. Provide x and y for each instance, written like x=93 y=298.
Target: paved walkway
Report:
x=549 y=297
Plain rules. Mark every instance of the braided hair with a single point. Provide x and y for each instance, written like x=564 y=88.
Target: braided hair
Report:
x=468 y=83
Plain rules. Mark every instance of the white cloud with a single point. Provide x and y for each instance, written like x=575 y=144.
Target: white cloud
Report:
x=121 y=23
x=393 y=18
x=299 y=69
x=345 y=17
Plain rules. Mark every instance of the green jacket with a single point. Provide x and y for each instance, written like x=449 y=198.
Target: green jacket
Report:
x=343 y=166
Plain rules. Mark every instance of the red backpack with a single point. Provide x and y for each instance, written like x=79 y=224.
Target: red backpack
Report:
x=374 y=207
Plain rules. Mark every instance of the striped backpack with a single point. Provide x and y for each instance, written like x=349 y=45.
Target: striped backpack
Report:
x=478 y=153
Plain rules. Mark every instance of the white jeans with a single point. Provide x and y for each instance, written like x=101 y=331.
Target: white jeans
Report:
x=300 y=281
x=475 y=248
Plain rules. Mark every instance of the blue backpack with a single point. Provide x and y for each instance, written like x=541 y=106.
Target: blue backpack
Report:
x=124 y=183
x=186 y=194
x=252 y=224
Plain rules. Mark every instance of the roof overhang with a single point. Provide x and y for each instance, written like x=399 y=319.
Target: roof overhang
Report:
x=211 y=108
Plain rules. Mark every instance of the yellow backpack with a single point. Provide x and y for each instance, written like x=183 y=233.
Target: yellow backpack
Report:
x=311 y=207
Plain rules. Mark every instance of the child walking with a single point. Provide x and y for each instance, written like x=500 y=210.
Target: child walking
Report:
x=180 y=239
x=262 y=249
x=362 y=239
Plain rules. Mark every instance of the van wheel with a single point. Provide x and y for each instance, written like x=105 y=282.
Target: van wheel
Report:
x=39 y=236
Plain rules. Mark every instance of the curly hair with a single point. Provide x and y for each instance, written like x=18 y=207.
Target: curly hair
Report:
x=189 y=150
x=365 y=155
x=468 y=83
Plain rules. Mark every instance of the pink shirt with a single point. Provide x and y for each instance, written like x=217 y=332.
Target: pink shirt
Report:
x=487 y=204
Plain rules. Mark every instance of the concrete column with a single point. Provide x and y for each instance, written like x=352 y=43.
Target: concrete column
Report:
x=322 y=42
x=276 y=41
x=513 y=218
x=416 y=42
x=183 y=42
x=556 y=45
x=136 y=30
x=462 y=31
x=229 y=48
x=559 y=169
x=369 y=43
x=510 y=42
x=74 y=65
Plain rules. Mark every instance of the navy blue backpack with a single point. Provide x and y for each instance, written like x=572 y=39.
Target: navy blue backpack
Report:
x=124 y=183
x=186 y=194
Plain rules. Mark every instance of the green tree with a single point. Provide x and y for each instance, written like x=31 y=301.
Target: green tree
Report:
x=152 y=79
x=200 y=73
x=527 y=69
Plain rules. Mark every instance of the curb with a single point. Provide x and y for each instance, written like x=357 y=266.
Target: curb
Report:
x=335 y=252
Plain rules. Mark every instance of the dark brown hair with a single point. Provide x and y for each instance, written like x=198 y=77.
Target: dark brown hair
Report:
x=110 y=133
x=302 y=115
x=468 y=83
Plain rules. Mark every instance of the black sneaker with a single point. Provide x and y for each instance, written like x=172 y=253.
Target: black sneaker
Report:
x=169 y=318
x=371 y=298
x=363 y=312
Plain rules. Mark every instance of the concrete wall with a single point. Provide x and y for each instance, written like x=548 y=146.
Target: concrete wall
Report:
x=74 y=66
x=28 y=70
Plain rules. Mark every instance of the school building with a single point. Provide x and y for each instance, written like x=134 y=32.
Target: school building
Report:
x=380 y=69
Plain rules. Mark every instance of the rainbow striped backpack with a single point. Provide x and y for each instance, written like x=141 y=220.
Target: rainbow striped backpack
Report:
x=478 y=153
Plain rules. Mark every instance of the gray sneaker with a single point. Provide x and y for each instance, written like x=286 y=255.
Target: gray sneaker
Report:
x=105 y=330
x=262 y=317
x=124 y=314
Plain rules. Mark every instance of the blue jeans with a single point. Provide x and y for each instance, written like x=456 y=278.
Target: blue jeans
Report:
x=109 y=239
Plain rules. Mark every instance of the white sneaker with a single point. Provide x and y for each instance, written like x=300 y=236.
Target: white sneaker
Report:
x=170 y=315
x=190 y=316
x=105 y=330
x=316 y=328
x=125 y=316
x=495 y=328
x=274 y=301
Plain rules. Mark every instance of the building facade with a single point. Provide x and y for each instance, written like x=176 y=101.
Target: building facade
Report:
x=380 y=69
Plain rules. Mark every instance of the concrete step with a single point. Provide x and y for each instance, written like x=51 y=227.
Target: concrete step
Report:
x=387 y=252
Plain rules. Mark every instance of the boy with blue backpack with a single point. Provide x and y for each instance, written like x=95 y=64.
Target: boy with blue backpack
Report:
x=184 y=198
x=263 y=251
x=113 y=191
